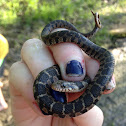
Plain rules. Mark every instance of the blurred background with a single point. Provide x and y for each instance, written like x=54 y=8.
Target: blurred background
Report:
x=24 y=19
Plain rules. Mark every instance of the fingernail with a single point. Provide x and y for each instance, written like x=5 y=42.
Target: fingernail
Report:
x=113 y=78
x=111 y=84
x=74 y=68
x=59 y=96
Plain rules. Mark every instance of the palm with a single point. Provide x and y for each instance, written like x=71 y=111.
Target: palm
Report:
x=25 y=116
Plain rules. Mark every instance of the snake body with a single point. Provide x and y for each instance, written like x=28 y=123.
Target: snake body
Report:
x=41 y=87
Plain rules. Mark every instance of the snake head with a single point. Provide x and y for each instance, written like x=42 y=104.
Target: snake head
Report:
x=97 y=19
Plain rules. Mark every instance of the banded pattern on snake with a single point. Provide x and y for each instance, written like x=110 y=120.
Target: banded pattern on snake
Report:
x=41 y=87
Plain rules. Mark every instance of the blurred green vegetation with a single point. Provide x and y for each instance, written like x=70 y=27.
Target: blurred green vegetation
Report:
x=25 y=14
x=29 y=11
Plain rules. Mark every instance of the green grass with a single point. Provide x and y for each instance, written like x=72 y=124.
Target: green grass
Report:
x=28 y=11
x=25 y=14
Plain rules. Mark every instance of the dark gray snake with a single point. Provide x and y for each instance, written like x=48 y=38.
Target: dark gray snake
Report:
x=41 y=87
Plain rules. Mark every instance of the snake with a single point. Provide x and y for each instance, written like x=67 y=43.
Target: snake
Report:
x=42 y=84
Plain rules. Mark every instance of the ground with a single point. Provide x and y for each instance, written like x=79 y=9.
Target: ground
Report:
x=113 y=105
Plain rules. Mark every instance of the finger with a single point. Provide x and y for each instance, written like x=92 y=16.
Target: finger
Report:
x=63 y=54
x=21 y=81
x=92 y=67
x=67 y=52
x=71 y=61
x=23 y=103
x=36 y=57
x=1 y=84
x=110 y=86
x=94 y=117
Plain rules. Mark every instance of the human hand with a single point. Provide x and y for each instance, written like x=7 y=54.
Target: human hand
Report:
x=35 y=58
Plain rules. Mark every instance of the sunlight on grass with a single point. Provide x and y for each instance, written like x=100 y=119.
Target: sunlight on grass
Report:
x=16 y=10
x=27 y=14
x=111 y=9
x=7 y=17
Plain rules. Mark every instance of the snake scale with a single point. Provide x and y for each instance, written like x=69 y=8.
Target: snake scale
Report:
x=44 y=80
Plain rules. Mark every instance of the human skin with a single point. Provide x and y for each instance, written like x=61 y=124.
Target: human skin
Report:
x=35 y=57
x=3 y=104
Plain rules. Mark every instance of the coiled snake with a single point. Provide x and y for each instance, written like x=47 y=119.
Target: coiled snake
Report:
x=41 y=87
